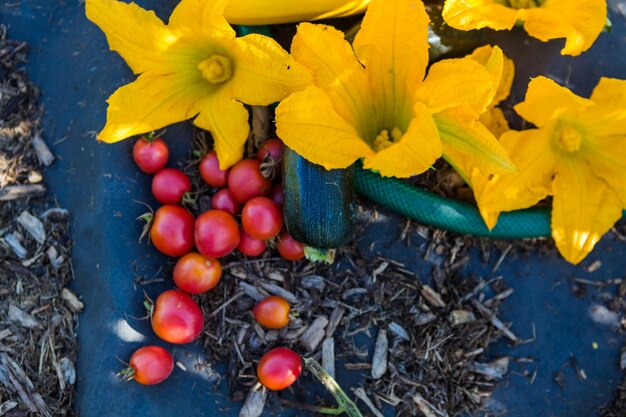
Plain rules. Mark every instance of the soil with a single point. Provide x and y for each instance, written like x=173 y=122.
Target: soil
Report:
x=38 y=343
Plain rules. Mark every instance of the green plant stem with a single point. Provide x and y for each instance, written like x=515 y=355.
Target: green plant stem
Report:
x=313 y=408
x=344 y=402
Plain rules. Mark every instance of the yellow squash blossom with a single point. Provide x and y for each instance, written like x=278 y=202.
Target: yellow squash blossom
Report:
x=492 y=118
x=193 y=67
x=372 y=101
x=578 y=21
x=577 y=154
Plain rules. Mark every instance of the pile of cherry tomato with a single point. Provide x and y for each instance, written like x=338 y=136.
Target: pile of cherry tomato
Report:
x=245 y=215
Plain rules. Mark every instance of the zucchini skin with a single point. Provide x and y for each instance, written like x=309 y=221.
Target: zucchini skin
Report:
x=320 y=205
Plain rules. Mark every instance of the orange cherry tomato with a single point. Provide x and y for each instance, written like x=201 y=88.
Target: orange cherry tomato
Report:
x=216 y=233
x=195 y=273
x=151 y=365
x=151 y=155
x=176 y=317
x=272 y=312
x=262 y=218
x=279 y=368
x=288 y=247
x=172 y=230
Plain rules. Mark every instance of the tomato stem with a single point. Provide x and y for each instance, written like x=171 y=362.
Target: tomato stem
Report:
x=189 y=200
x=152 y=136
x=345 y=403
x=314 y=408
x=149 y=305
x=145 y=230
x=127 y=374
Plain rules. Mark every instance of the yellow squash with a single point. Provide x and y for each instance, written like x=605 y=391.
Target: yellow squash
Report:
x=268 y=12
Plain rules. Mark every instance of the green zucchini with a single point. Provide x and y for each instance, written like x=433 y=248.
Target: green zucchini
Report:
x=319 y=206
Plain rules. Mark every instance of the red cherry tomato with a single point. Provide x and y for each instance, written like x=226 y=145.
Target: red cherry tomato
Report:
x=272 y=312
x=210 y=171
x=279 y=368
x=151 y=365
x=288 y=247
x=169 y=185
x=223 y=200
x=172 y=230
x=277 y=195
x=250 y=246
x=216 y=233
x=195 y=273
x=150 y=156
x=245 y=181
x=176 y=317
x=271 y=147
x=261 y=218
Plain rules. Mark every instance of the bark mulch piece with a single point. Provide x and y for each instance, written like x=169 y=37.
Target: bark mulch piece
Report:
x=38 y=343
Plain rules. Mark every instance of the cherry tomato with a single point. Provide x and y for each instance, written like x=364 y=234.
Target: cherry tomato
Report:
x=277 y=195
x=272 y=312
x=151 y=365
x=271 y=147
x=250 y=246
x=176 y=317
x=172 y=230
x=195 y=273
x=223 y=200
x=279 y=368
x=150 y=156
x=217 y=233
x=169 y=185
x=261 y=218
x=288 y=247
x=210 y=171
x=245 y=181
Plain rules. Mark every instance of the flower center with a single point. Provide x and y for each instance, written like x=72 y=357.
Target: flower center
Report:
x=383 y=141
x=569 y=139
x=216 y=69
x=523 y=4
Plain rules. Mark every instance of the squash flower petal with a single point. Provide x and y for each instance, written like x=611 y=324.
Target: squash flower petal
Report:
x=532 y=152
x=309 y=119
x=392 y=44
x=608 y=116
x=478 y=14
x=475 y=171
x=584 y=208
x=151 y=102
x=452 y=83
x=336 y=70
x=578 y=21
x=414 y=151
x=227 y=120
x=580 y=161
x=193 y=66
x=548 y=101
x=380 y=98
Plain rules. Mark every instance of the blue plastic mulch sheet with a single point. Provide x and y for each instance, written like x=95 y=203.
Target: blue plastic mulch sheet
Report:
x=70 y=61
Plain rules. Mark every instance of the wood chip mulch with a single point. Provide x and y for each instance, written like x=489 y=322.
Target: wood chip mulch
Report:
x=37 y=310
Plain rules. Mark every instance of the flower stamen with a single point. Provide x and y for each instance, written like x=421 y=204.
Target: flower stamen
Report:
x=383 y=141
x=216 y=69
x=569 y=139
